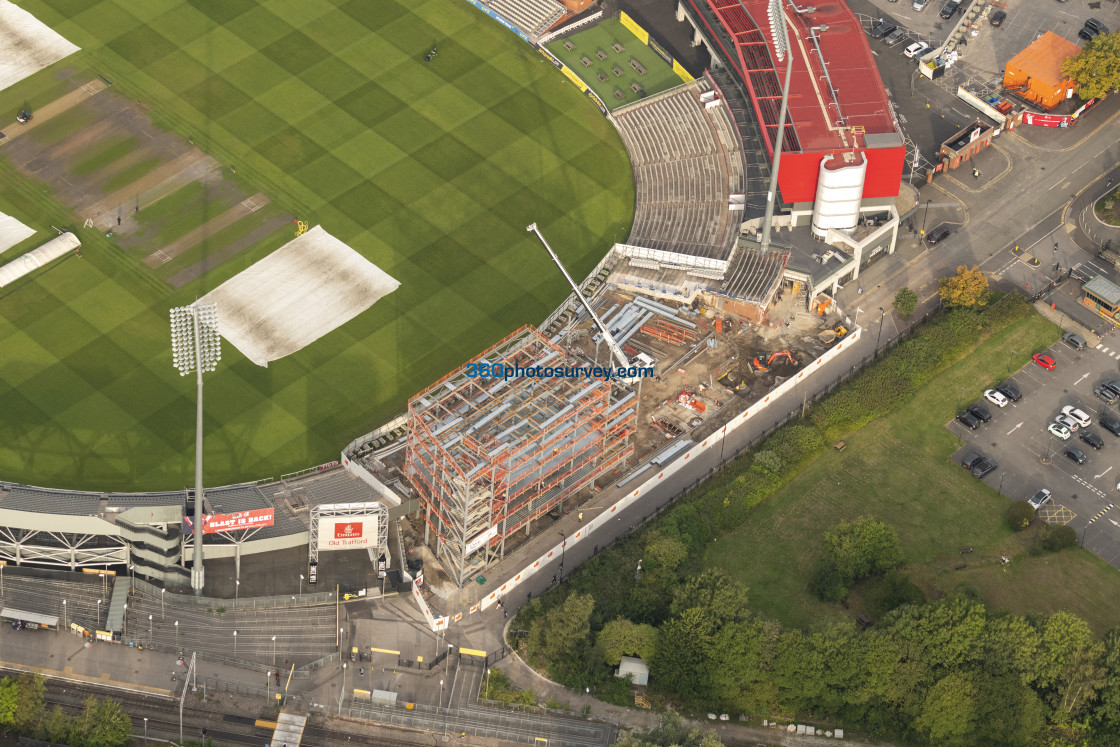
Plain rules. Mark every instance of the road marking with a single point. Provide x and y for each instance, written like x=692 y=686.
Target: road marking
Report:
x=1097 y=477
x=1083 y=377
x=1114 y=522
x=1014 y=429
x=1100 y=513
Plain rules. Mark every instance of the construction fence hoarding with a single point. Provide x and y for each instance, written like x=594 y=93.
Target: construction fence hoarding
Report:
x=214 y=523
x=347 y=532
x=649 y=41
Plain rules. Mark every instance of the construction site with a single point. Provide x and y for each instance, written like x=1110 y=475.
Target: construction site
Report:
x=496 y=459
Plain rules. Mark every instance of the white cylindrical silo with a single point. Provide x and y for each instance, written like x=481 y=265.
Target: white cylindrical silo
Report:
x=839 y=192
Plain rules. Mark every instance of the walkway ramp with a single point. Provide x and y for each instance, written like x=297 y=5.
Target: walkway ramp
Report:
x=289 y=730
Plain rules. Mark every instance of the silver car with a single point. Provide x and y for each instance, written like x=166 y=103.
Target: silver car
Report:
x=1039 y=499
x=920 y=5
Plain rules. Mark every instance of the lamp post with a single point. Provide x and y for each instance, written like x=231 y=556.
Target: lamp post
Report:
x=301 y=586
x=487 y=682
x=563 y=549
x=131 y=578
x=176 y=634
x=925 y=216
x=274 y=651
x=98 y=613
x=196 y=347
x=124 y=621
x=882 y=316
x=145 y=730
x=236 y=592
x=959 y=398
x=151 y=628
x=780 y=38
x=1009 y=358
x=440 y=692
x=64 y=613
x=1000 y=488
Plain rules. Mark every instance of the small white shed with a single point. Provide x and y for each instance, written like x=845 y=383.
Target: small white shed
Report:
x=637 y=669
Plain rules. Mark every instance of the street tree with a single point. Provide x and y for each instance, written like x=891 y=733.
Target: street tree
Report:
x=621 y=637
x=905 y=301
x=949 y=714
x=103 y=723
x=1096 y=68
x=969 y=287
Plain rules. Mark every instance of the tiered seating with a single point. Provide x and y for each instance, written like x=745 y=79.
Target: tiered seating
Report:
x=339 y=487
x=686 y=165
x=43 y=501
x=249 y=498
x=534 y=17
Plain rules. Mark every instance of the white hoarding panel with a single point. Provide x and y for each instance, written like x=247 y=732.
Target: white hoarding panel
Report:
x=347 y=532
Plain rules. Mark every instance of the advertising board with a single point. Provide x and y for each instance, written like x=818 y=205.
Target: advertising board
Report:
x=347 y=532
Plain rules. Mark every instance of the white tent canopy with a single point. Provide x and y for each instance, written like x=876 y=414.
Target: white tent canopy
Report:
x=36 y=258
x=27 y=45
x=12 y=232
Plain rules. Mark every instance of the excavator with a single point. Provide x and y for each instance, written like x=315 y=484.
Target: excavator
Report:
x=763 y=367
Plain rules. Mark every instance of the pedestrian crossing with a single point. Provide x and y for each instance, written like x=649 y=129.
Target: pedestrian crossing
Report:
x=1107 y=350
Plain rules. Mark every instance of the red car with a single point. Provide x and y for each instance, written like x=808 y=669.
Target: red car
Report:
x=1044 y=360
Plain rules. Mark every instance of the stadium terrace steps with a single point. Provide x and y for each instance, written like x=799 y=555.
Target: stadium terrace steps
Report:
x=534 y=17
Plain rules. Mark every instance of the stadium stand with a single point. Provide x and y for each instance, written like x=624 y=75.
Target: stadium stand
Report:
x=249 y=497
x=339 y=487
x=534 y=17
x=686 y=166
x=46 y=501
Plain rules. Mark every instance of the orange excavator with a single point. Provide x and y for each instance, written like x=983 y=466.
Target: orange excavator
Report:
x=782 y=354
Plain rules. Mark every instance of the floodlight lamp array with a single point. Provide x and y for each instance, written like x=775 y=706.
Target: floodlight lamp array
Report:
x=778 y=29
x=185 y=357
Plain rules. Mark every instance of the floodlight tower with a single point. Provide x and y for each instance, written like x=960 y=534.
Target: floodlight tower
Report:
x=780 y=37
x=196 y=346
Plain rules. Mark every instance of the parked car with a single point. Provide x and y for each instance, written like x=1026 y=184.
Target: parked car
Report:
x=920 y=5
x=1044 y=360
x=1112 y=385
x=998 y=18
x=983 y=467
x=1106 y=395
x=916 y=49
x=981 y=413
x=1075 y=454
x=996 y=397
x=1110 y=424
x=1096 y=25
x=1092 y=439
x=1075 y=341
x=1057 y=430
x=1011 y=390
x=968 y=420
x=1039 y=499
x=882 y=29
x=1068 y=422
x=895 y=37
x=949 y=8
x=970 y=459
x=937 y=235
x=1080 y=416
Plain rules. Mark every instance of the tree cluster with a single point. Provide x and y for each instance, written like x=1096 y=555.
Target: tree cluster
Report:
x=1096 y=68
x=101 y=723
x=852 y=552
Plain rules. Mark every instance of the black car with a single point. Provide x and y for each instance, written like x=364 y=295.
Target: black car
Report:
x=1110 y=424
x=983 y=467
x=968 y=420
x=938 y=235
x=1096 y=25
x=950 y=8
x=1075 y=454
x=998 y=17
x=1113 y=385
x=1010 y=390
x=882 y=29
x=981 y=413
x=1092 y=439
x=970 y=459
x=1105 y=394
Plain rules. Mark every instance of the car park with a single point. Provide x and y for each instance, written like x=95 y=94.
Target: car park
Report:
x=1010 y=390
x=997 y=398
x=1075 y=454
x=998 y=18
x=968 y=420
x=981 y=413
x=1104 y=394
x=1075 y=341
x=895 y=37
x=1092 y=439
x=1080 y=416
x=1044 y=360
x=916 y=49
x=983 y=467
x=1059 y=431
x=882 y=29
x=1068 y=422
x=938 y=235
x=1110 y=424
x=1039 y=499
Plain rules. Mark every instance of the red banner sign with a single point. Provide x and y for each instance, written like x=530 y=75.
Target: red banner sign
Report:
x=1045 y=120
x=214 y=523
x=348 y=530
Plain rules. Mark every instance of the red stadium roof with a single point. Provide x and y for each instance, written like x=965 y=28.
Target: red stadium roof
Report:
x=821 y=117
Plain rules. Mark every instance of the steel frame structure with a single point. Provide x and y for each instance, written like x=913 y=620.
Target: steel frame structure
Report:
x=62 y=549
x=488 y=454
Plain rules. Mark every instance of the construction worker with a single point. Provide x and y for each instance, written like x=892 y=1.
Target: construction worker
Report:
x=580 y=516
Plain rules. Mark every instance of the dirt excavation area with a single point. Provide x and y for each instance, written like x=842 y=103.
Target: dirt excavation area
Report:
x=154 y=192
x=706 y=366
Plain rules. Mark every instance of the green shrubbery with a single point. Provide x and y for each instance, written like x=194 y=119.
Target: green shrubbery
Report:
x=1020 y=515
x=101 y=723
